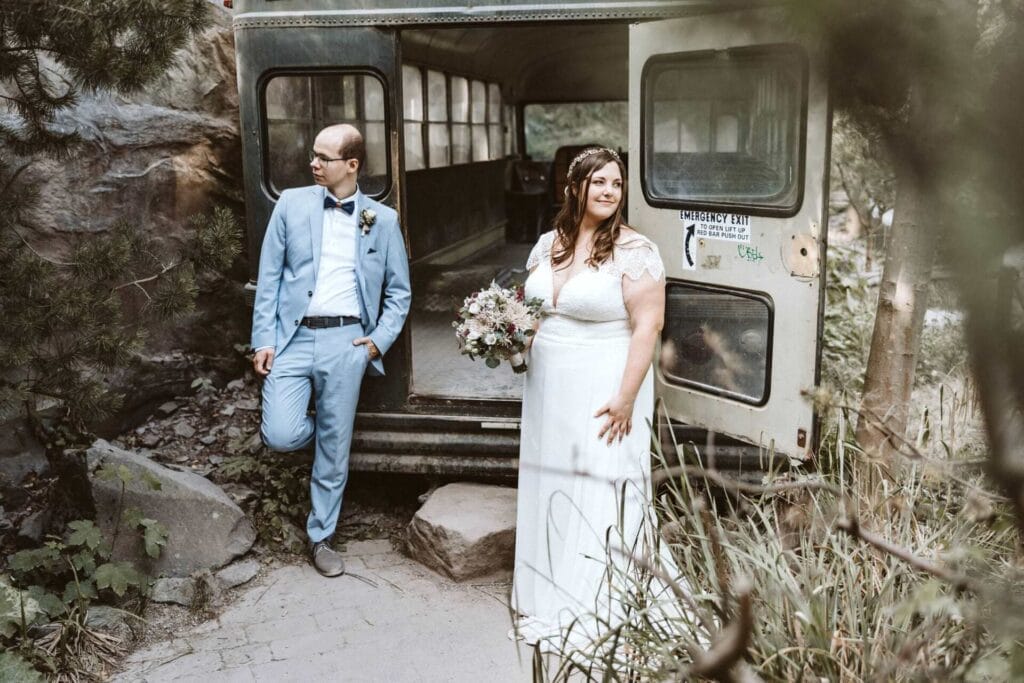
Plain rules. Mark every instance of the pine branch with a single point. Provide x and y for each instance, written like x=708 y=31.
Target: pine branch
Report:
x=139 y=282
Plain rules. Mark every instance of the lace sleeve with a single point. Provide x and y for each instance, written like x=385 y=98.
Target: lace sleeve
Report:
x=541 y=250
x=640 y=256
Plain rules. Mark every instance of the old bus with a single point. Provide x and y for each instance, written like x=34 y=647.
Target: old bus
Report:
x=471 y=113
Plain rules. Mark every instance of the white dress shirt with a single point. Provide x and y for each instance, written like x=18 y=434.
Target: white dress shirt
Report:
x=336 y=292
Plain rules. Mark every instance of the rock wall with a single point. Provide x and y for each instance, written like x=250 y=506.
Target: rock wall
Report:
x=154 y=158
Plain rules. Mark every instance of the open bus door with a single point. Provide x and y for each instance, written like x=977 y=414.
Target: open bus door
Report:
x=729 y=139
x=295 y=79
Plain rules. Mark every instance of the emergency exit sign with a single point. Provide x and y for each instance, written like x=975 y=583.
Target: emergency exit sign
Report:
x=714 y=225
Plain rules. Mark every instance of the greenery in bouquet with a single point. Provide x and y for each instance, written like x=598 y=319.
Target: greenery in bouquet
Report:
x=496 y=323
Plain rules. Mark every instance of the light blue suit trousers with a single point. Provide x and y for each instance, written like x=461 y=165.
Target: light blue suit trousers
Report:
x=325 y=362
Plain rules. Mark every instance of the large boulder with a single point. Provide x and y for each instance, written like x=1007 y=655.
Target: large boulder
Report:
x=465 y=530
x=206 y=529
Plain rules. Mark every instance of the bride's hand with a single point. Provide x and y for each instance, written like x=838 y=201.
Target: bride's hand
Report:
x=619 y=422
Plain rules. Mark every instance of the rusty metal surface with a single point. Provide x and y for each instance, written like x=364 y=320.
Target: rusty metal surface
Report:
x=261 y=13
x=434 y=464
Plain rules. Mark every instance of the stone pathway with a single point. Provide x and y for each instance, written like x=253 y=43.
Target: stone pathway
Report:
x=294 y=625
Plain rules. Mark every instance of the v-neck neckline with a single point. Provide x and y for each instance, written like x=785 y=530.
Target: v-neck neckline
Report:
x=556 y=296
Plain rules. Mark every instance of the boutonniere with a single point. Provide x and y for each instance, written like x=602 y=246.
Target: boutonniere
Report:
x=366 y=220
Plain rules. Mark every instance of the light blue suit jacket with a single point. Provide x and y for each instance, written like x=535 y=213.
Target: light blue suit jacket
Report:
x=290 y=259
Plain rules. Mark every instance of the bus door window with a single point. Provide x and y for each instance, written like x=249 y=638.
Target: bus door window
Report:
x=297 y=106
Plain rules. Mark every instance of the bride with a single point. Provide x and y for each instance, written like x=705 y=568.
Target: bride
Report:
x=584 y=462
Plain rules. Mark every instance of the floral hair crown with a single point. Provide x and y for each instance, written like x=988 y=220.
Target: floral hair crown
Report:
x=589 y=152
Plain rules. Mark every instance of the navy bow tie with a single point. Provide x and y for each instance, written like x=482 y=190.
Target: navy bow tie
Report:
x=331 y=203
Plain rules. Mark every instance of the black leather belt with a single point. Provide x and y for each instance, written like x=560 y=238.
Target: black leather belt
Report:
x=321 y=321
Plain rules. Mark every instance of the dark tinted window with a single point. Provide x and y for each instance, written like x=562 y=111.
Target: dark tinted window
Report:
x=718 y=341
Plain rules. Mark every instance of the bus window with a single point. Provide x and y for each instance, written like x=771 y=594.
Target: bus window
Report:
x=412 y=93
x=297 y=106
x=550 y=126
x=717 y=341
x=725 y=130
x=494 y=142
x=460 y=120
x=478 y=112
x=438 y=140
x=510 y=128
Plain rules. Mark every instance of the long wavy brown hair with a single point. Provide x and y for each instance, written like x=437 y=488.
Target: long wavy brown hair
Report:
x=570 y=217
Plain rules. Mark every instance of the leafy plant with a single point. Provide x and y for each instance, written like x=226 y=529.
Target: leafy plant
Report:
x=61 y=578
x=282 y=486
x=849 y=314
x=16 y=669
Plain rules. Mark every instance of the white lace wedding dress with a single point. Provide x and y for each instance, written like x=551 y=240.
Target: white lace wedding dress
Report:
x=581 y=501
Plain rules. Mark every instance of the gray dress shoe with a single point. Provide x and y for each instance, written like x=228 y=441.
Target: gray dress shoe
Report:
x=325 y=559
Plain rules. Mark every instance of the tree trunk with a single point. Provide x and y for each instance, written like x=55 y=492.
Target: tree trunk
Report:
x=896 y=340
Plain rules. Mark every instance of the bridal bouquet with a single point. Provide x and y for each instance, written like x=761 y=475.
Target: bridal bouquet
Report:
x=495 y=323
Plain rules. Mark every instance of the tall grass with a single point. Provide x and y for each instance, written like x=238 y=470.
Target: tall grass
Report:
x=825 y=603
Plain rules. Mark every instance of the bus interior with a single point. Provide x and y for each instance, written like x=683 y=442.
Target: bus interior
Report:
x=492 y=117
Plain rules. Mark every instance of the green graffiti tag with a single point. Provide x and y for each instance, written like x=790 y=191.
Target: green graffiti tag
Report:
x=749 y=253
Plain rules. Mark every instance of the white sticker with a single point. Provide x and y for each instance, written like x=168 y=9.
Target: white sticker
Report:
x=690 y=248
x=733 y=227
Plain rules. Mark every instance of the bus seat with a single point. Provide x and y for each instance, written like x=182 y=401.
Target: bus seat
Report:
x=526 y=200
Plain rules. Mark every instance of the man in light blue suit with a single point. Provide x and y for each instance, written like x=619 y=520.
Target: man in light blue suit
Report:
x=332 y=296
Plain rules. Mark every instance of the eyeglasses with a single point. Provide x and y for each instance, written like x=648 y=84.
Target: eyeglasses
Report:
x=316 y=156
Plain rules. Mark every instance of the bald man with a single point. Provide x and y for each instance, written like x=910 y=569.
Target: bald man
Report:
x=332 y=296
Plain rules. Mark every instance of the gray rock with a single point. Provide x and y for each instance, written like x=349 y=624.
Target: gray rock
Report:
x=245 y=444
x=247 y=404
x=179 y=591
x=33 y=526
x=168 y=408
x=185 y=430
x=109 y=620
x=151 y=440
x=293 y=536
x=238 y=573
x=236 y=384
x=465 y=530
x=207 y=440
x=234 y=432
x=227 y=411
x=6 y=524
x=239 y=493
x=206 y=529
